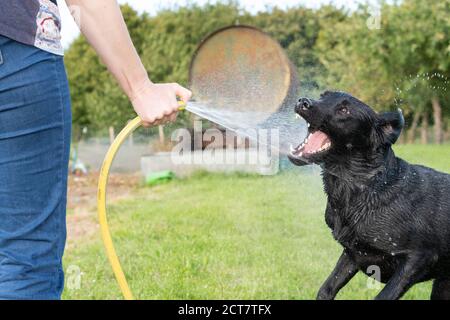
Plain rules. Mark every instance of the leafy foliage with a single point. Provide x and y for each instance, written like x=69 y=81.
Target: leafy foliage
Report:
x=404 y=63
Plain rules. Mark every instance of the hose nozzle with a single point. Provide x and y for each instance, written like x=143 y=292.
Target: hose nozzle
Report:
x=181 y=106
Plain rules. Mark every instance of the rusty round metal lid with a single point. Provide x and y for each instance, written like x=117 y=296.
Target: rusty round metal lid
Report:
x=242 y=68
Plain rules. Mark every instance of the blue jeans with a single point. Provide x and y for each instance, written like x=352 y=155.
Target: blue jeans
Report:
x=35 y=127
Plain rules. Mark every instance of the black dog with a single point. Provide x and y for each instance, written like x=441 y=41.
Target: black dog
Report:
x=388 y=215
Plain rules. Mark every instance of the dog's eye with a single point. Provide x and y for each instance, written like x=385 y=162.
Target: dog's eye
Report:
x=343 y=110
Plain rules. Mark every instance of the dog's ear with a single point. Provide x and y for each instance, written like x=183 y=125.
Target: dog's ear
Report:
x=391 y=124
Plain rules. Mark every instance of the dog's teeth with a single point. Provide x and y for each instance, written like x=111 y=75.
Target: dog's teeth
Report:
x=300 y=154
x=297 y=116
x=309 y=125
x=292 y=148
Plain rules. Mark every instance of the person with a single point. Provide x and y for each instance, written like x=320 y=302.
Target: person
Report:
x=35 y=128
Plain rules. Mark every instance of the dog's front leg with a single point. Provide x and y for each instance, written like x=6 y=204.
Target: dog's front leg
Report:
x=409 y=272
x=344 y=270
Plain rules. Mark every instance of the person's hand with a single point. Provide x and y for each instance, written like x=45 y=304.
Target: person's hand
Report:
x=157 y=103
x=105 y=29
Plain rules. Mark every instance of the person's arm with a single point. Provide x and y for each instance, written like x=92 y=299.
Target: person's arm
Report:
x=102 y=24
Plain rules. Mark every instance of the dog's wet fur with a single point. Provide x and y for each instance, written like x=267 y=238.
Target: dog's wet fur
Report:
x=391 y=217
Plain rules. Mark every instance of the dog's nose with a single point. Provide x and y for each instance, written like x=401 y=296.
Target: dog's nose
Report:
x=303 y=104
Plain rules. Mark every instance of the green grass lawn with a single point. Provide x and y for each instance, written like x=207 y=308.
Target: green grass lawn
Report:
x=227 y=237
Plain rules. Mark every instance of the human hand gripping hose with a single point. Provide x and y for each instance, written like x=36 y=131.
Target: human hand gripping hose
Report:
x=101 y=203
x=249 y=89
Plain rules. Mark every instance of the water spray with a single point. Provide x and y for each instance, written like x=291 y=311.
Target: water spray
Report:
x=244 y=82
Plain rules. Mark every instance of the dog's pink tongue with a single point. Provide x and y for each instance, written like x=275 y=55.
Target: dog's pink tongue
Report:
x=315 y=141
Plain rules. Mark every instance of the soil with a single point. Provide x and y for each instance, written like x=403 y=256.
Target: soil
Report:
x=82 y=220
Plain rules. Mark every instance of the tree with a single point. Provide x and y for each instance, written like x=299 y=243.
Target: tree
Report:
x=165 y=42
x=404 y=63
x=97 y=100
x=297 y=29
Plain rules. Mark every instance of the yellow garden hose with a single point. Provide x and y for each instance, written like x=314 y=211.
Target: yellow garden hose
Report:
x=101 y=204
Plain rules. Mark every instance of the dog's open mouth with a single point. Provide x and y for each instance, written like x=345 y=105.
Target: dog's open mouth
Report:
x=316 y=143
